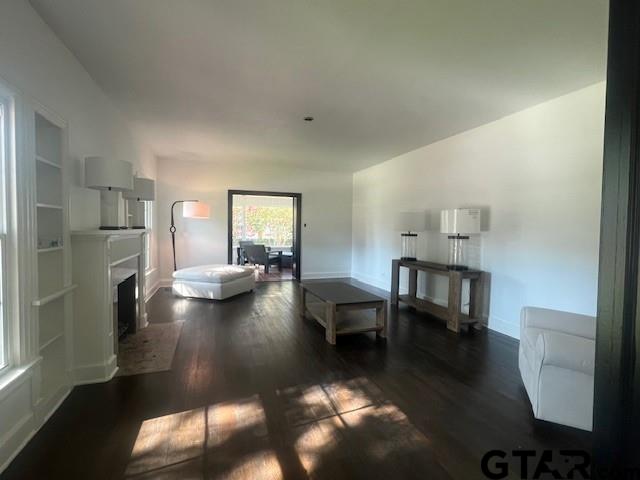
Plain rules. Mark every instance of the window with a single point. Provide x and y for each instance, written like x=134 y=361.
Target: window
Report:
x=148 y=222
x=5 y=153
x=264 y=219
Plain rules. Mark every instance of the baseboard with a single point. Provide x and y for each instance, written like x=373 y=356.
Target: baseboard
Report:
x=167 y=282
x=502 y=326
x=17 y=438
x=96 y=373
x=371 y=280
x=145 y=320
x=321 y=275
x=47 y=407
x=24 y=429
x=151 y=291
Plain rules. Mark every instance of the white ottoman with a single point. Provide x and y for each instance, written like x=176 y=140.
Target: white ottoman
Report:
x=213 y=282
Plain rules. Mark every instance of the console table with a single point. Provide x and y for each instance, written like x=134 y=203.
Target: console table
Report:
x=452 y=313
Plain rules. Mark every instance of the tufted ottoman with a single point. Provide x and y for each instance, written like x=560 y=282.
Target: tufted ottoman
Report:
x=213 y=282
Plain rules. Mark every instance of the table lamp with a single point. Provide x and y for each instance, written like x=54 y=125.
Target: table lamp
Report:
x=144 y=189
x=459 y=223
x=110 y=177
x=409 y=223
x=190 y=209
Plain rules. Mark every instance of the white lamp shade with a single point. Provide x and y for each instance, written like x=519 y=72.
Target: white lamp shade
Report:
x=460 y=221
x=102 y=174
x=143 y=189
x=195 y=210
x=411 y=222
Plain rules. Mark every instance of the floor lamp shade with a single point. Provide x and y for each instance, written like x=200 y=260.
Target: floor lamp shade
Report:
x=190 y=209
x=195 y=210
x=458 y=224
x=144 y=189
x=110 y=177
x=409 y=223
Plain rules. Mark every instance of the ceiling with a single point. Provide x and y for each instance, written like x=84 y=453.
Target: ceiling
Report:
x=231 y=80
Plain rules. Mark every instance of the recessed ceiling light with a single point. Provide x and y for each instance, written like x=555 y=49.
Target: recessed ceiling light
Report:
x=308 y=119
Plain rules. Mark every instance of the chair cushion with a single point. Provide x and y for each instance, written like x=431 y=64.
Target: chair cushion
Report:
x=213 y=273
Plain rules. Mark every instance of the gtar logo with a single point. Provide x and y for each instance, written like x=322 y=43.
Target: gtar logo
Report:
x=530 y=464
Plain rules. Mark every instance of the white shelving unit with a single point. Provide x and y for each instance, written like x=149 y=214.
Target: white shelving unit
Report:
x=52 y=304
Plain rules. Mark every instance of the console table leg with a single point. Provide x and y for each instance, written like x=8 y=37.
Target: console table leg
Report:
x=455 y=297
x=330 y=333
x=395 y=281
x=381 y=320
x=476 y=297
x=413 y=283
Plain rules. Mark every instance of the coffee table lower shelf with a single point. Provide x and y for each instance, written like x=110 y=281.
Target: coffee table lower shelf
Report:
x=341 y=309
x=349 y=322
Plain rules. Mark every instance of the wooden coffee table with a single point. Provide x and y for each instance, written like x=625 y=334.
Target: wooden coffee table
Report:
x=336 y=297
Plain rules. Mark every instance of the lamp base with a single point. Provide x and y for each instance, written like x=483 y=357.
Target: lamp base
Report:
x=102 y=227
x=408 y=259
x=138 y=227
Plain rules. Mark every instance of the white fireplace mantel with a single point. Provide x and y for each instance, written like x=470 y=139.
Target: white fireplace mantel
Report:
x=95 y=253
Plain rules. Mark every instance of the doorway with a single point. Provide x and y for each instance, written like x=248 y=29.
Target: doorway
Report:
x=264 y=230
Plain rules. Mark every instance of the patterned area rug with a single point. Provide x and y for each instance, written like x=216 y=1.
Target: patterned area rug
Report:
x=149 y=350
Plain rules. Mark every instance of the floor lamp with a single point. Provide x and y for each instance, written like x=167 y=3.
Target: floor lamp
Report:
x=190 y=209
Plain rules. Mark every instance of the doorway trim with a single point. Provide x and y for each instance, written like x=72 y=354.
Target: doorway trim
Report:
x=617 y=365
x=260 y=193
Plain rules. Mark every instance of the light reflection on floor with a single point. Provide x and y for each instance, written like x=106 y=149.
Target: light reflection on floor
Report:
x=231 y=440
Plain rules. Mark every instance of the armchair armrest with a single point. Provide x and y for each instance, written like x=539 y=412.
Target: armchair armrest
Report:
x=564 y=322
x=566 y=351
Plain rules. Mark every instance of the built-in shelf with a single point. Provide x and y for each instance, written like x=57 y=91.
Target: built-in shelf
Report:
x=47 y=162
x=50 y=249
x=46 y=205
x=53 y=310
x=54 y=296
x=50 y=341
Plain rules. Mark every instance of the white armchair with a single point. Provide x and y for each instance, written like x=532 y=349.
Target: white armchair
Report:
x=556 y=360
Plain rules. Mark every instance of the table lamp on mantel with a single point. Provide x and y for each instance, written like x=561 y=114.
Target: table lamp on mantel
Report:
x=110 y=177
x=459 y=223
x=144 y=190
x=410 y=223
x=190 y=209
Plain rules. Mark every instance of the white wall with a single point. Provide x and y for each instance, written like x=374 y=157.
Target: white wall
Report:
x=326 y=211
x=536 y=173
x=37 y=65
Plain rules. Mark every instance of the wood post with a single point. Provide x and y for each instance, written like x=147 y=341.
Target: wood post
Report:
x=413 y=283
x=395 y=281
x=381 y=320
x=330 y=333
x=455 y=298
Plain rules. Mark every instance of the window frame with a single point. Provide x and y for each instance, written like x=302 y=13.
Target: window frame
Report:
x=148 y=240
x=8 y=279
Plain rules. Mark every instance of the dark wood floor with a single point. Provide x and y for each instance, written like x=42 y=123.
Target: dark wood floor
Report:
x=255 y=392
x=275 y=274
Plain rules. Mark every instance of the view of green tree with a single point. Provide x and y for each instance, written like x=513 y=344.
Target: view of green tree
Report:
x=268 y=225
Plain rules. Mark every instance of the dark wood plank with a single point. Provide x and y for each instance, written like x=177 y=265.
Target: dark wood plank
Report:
x=256 y=392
